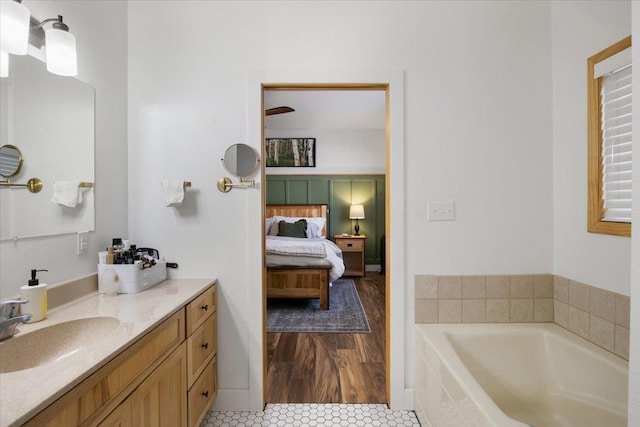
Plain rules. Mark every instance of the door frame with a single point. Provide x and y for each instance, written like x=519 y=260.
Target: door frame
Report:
x=398 y=397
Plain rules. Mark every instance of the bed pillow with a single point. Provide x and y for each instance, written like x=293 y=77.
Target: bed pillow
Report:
x=313 y=231
x=268 y=222
x=295 y=229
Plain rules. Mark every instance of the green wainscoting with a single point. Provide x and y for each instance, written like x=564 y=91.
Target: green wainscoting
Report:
x=338 y=192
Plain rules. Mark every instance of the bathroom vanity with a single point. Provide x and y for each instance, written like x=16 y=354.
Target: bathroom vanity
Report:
x=150 y=361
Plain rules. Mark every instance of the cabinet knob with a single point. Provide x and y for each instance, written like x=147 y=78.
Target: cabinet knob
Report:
x=205 y=345
x=205 y=393
x=205 y=307
x=349 y=244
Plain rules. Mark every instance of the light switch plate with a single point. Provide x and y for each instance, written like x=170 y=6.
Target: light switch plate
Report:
x=83 y=243
x=441 y=211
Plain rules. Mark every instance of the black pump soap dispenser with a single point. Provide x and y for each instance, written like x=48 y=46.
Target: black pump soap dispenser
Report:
x=36 y=294
x=34 y=280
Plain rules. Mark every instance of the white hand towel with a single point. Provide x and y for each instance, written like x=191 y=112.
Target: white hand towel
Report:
x=67 y=193
x=173 y=192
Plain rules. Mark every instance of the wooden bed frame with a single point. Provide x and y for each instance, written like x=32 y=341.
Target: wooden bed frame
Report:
x=299 y=282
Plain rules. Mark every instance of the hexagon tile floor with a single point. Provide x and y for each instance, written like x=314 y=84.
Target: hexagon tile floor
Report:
x=313 y=414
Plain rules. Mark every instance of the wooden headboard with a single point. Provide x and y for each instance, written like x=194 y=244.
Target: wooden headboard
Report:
x=309 y=211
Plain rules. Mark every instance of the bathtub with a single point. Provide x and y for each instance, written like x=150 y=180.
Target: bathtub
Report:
x=516 y=375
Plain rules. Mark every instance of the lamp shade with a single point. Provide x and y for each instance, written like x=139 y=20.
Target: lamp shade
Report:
x=61 y=52
x=356 y=212
x=4 y=64
x=14 y=27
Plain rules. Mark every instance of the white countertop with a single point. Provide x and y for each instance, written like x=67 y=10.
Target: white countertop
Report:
x=25 y=393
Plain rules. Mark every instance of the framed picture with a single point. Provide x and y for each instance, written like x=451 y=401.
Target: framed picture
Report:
x=290 y=152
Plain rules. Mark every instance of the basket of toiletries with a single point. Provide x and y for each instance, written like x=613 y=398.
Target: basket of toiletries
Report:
x=125 y=269
x=129 y=278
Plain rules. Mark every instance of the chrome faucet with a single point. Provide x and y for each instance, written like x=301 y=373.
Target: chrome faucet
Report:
x=8 y=318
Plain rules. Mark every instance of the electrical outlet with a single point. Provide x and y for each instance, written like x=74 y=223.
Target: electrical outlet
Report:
x=83 y=243
x=441 y=211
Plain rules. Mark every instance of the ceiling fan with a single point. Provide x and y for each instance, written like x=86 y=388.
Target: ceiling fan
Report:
x=278 y=110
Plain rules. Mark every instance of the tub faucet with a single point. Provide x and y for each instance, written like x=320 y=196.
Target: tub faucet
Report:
x=8 y=318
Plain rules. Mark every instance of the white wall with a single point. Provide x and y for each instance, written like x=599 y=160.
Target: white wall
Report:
x=477 y=130
x=100 y=28
x=580 y=30
x=634 y=345
x=338 y=151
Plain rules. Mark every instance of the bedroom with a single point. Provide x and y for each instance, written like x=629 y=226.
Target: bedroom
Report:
x=348 y=128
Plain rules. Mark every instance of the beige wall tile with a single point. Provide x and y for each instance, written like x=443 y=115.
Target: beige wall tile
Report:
x=579 y=322
x=622 y=310
x=426 y=286
x=542 y=286
x=426 y=311
x=498 y=286
x=621 y=347
x=543 y=310
x=522 y=286
x=449 y=310
x=602 y=304
x=561 y=289
x=579 y=295
x=474 y=311
x=521 y=310
x=601 y=332
x=561 y=313
x=449 y=287
x=498 y=310
x=474 y=287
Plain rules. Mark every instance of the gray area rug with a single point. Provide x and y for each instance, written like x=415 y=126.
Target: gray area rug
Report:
x=345 y=313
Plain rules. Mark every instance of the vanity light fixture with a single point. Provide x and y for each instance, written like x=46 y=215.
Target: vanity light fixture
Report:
x=60 y=47
x=356 y=212
x=14 y=27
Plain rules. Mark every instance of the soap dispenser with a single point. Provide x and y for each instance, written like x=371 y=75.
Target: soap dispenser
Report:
x=36 y=294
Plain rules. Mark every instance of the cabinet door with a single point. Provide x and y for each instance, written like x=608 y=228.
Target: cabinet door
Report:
x=120 y=417
x=161 y=400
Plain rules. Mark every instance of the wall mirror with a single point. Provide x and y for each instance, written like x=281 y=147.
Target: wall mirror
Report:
x=10 y=161
x=240 y=160
x=52 y=121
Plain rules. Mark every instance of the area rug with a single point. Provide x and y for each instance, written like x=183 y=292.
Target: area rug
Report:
x=345 y=312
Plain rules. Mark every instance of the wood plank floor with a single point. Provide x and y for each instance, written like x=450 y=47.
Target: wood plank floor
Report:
x=332 y=368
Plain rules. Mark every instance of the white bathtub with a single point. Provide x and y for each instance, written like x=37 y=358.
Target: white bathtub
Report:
x=516 y=375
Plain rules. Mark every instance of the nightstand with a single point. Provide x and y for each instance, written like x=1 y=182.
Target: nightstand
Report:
x=352 y=248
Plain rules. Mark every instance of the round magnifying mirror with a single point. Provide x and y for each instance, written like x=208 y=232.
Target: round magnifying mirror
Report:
x=240 y=160
x=10 y=161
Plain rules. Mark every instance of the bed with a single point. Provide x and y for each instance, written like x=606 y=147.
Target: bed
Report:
x=301 y=267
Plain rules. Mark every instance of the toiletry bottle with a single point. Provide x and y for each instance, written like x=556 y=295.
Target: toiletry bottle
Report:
x=36 y=293
x=110 y=257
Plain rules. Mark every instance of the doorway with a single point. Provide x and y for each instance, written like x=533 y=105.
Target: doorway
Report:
x=330 y=367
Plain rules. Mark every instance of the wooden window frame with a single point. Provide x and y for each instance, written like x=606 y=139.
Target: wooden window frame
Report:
x=595 y=207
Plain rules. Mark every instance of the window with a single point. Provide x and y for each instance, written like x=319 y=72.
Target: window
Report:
x=609 y=136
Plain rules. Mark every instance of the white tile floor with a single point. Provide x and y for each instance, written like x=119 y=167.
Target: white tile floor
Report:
x=312 y=414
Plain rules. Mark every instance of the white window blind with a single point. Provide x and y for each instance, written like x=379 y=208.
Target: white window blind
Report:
x=615 y=98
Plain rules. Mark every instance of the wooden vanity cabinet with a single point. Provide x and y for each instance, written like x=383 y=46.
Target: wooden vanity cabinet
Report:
x=166 y=378
x=201 y=355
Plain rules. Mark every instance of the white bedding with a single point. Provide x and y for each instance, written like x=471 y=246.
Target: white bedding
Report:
x=296 y=252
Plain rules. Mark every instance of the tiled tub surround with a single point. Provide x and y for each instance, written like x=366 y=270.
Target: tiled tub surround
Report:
x=516 y=375
x=599 y=316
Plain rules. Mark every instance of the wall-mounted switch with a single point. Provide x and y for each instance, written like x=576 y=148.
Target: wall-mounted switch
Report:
x=83 y=243
x=441 y=211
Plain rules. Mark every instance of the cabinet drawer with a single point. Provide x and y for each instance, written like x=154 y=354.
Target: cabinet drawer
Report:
x=348 y=245
x=202 y=394
x=201 y=346
x=200 y=308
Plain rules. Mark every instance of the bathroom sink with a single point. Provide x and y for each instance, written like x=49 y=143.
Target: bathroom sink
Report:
x=53 y=343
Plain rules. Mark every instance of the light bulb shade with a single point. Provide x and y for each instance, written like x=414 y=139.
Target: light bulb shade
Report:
x=4 y=64
x=356 y=212
x=61 y=52
x=14 y=27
